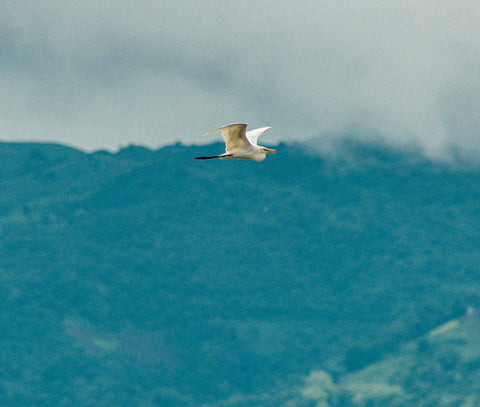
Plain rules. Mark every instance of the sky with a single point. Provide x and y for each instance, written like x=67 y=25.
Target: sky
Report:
x=105 y=74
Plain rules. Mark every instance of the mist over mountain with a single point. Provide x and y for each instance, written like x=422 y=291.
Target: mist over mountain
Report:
x=146 y=278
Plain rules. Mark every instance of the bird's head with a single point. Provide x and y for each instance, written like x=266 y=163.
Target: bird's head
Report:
x=269 y=150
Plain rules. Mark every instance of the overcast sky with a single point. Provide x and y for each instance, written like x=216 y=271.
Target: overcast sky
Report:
x=103 y=74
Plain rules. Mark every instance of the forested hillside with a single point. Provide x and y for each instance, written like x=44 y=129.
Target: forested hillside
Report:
x=147 y=278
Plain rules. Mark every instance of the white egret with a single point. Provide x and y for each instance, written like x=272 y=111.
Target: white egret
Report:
x=241 y=144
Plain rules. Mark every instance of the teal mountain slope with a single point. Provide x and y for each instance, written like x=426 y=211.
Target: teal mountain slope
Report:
x=147 y=278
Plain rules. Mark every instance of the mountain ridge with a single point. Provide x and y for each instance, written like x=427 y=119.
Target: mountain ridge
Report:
x=228 y=275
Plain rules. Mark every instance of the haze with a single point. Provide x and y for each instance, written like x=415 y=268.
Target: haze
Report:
x=105 y=74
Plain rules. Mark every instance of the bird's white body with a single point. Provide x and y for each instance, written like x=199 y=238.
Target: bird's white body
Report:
x=241 y=144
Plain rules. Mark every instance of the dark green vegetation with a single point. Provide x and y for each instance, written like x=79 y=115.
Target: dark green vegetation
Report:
x=146 y=278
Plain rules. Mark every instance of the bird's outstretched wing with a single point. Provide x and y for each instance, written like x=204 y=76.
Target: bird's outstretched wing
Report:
x=253 y=135
x=234 y=135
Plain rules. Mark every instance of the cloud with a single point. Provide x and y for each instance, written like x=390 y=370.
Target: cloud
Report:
x=102 y=74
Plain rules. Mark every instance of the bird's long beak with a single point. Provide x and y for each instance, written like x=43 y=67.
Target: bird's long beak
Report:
x=269 y=150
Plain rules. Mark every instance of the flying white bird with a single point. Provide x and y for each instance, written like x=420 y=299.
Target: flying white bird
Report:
x=241 y=144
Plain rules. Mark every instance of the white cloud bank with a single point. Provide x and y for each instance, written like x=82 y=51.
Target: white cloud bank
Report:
x=102 y=74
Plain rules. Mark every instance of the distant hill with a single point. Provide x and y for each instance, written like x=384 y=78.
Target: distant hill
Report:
x=440 y=368
x=147 y=278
